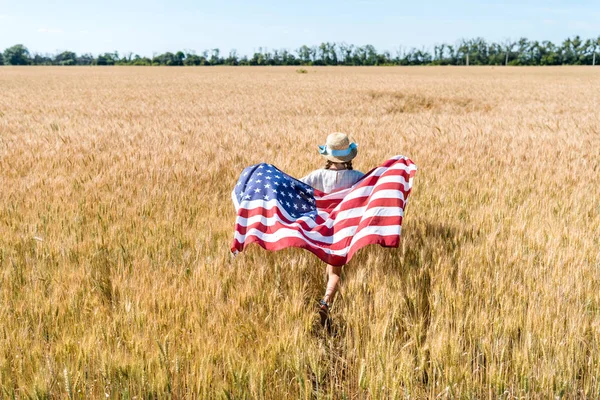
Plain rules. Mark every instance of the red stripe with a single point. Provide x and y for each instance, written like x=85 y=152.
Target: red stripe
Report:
x=370 y=203
x=371 y=181
x=362 y=200
x=323 y=230
x=385 y=241
x=366 y=177
x=275 y=211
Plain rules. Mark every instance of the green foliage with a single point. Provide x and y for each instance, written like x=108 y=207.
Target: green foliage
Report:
x=17 y=55
x=66 y=58
x=572 y=51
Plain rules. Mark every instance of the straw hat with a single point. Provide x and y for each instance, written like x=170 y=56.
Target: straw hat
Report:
x=338 y=148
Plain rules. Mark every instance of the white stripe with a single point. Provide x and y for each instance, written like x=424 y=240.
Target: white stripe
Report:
x=271 y=221
x=386 y=179
x=268 y=204
x=393 y=230
x=236 y=204
x=329 y=222
x=330 y=239
x=367 y=190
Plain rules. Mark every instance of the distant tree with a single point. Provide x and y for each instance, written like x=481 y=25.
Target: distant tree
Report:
x=326 y=54
x=333 y=53
x=549 y=53
x=288 y=58
x=536 y=52
x=1 y=59
x=232 y=59
x=41 y=59
x=85 y=59
x=508 y=48
x=215 y=58
x=523 y=52
x=438 y=54
x=578 y=50
x=192 y=59
x=179 y=58
x=567 y=52
x=126 y=60
x=66 y=58
x=137 y=60
x=304 y=54
x=478 y=51
x=591 y=46
x=461 y=52
x=17 y=55
x=496 y=54
x=451 y=55
x=168 y=59
x=274 y=58
x=106 y=59
x=345 y=52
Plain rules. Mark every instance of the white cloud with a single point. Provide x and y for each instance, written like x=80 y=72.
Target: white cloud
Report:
x=46 y=30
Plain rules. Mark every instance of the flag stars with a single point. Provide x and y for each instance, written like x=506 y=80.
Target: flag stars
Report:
x=257 y=190
x=266 y=197
x=259 y=174
x=304 y=206
x=258 y=181
x=267 y=185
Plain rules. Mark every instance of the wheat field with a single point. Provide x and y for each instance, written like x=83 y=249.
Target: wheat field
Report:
x=116 y=279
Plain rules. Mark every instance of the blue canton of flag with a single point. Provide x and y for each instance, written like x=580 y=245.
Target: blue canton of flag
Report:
x=267 y=183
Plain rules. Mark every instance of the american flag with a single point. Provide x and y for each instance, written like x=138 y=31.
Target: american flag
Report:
x=278 y=211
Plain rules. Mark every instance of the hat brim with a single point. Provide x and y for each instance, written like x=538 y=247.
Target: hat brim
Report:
x=341 y=159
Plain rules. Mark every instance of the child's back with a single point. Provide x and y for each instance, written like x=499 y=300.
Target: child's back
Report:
x=331 y=180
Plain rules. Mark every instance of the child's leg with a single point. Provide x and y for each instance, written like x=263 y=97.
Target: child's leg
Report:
x=333 y=279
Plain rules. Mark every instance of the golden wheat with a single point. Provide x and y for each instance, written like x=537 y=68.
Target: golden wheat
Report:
x=115 y=224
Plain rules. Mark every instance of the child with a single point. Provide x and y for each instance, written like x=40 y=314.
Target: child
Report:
x=337 y=174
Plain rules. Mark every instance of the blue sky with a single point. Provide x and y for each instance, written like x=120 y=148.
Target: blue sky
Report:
x=151 y=26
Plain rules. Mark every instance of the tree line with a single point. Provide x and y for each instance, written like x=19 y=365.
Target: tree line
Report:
x=477 y=51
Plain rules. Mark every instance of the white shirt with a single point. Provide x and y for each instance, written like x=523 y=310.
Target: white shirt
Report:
x=330 y=180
